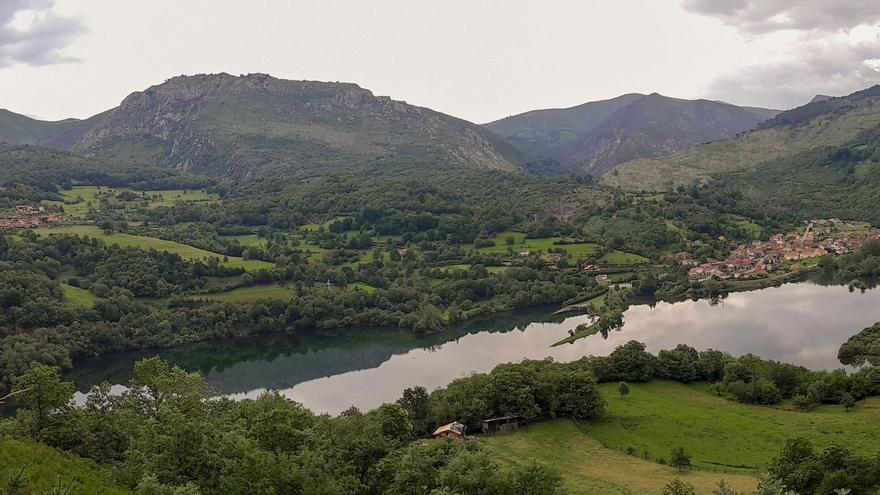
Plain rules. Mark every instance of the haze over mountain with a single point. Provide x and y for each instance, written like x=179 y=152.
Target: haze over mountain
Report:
x=257 y=125
x=595 y=136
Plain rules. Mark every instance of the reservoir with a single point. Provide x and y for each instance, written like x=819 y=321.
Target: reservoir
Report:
x=803 y=323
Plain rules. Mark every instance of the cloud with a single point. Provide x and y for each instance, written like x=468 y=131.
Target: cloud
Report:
x=814 y=67
x=832 y=47
x=764 y=16
x=32 y=34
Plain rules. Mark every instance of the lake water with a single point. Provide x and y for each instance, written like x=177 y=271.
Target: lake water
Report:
x=801 y=323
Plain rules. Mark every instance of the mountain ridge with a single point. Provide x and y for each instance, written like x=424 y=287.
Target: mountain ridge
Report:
x=257 y=125
x=823 y=123
x=595 y=136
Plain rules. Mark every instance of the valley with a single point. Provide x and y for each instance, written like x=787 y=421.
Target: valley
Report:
x=233 y=268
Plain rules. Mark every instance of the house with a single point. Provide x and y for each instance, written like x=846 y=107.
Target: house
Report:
x=591 y=268
x=454 y=430
x=602 y=279
x=500 y=425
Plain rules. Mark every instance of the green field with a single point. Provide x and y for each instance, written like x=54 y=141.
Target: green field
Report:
x=126 y=240
x=659 y=416
x=76 y=201
x=251 y=294
x=588 y=468
x=359 y=286
x=44 y=467
x=520 y=243
x=312 y=227
x=78 y=297
x=616 y=257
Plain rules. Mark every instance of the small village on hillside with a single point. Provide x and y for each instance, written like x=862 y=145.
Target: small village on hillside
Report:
x=784 y=251
x=29 y=217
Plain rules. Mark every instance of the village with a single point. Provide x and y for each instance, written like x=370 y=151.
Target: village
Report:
x=29 y=217
x=789 y=251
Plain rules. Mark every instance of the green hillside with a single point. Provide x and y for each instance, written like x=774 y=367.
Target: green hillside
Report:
x=42 y=469
x=826 y=123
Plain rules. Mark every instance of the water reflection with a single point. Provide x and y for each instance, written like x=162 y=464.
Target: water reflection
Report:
x=799 y=323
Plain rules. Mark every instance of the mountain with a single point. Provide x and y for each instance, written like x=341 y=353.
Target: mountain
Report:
x=63 y=134
x=822 y=124
x=555 y=133
x=820 y=98
x=593 y=137
x=257 y=125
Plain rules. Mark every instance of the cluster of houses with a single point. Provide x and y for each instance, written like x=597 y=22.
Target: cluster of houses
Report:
x=29 y=217
x=820 y=237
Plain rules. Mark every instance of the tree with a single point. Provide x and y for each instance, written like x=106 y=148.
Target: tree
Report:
x=157 y=384
x=534 y=479
x=678 y=487
x=724 y=489
x=623 y=389
x=42 y=393
x=630 y=362
x=847 y=401
x=417 y=403
x=578 y=394
x=680 y=459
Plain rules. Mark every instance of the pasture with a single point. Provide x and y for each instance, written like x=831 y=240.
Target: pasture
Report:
x=521 y=243
x=251 y=293
x=127 y=240
x=588 y=468
x=659 y=416
x=78 y=200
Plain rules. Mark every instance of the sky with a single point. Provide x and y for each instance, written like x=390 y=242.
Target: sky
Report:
x=480 y=60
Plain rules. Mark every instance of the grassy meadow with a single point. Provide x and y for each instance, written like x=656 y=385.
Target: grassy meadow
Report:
x=588 y=468
x=76 y=296
x=659 y=416
x=520 y=243
x=127 y=240
x=251 y=293
x=77 y=200
x=43 y=468
x=727 y=440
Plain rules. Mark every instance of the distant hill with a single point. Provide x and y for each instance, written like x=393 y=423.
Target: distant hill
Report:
x=823 y=123
x=62 y=134
x=257 y=125
x=820 y=98
x=593 y=137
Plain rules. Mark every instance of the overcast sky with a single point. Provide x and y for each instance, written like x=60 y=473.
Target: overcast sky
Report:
x=476 y=59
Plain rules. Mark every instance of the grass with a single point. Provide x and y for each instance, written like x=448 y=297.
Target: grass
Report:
x=751 y=150
x=369 y=289
x=616 y=257
x=76 y=201
x=251 y=293
x=659 y=416
x=44 y=467
x=127 y=240
x=727 y=440
x=76 y=296
x=588 y=468
x=312 y=227
x=520 y=243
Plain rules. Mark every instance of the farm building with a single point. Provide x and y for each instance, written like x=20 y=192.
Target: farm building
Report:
x=500 y=425
x=452 y=430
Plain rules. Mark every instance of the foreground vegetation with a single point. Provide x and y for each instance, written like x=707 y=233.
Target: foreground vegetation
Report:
x=719 y=433
x=588 y=467
x=162 y=434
